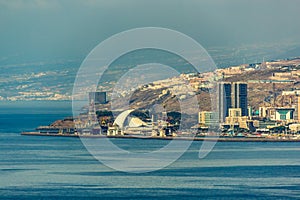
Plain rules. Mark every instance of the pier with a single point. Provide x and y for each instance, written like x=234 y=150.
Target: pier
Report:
x=208 y=138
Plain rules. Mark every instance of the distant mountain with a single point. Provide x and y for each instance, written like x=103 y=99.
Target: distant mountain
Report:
x=54 y=80
x=291 y=53
x=38 y=81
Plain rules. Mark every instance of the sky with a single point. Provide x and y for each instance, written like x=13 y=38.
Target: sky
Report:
x=45 y=30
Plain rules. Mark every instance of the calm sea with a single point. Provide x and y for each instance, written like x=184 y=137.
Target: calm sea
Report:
x=35 y=167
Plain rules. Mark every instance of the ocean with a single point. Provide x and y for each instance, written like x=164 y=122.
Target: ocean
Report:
x=36 y=167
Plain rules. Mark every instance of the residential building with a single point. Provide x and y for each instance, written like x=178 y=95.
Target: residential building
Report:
x=235 y=118
x=208 y=118
x=297 y=110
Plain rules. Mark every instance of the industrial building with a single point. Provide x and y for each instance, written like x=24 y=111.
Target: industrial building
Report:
x=277 y=113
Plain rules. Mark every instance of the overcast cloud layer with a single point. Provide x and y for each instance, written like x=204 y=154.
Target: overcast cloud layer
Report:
x=67 y=29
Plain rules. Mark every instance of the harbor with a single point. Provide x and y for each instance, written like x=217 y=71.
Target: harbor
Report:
x=218 y=139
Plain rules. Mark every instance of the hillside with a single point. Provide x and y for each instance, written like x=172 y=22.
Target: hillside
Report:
x=262 y=82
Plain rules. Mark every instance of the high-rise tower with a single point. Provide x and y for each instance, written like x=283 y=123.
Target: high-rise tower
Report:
x=239 y=97
x=232 y=95
x=224 y=100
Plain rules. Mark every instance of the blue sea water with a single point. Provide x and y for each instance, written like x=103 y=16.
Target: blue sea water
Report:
x=34 y=167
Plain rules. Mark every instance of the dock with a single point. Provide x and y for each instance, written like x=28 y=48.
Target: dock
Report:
x=208 y=138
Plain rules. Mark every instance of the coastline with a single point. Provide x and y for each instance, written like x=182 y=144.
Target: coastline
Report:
x=212 y=139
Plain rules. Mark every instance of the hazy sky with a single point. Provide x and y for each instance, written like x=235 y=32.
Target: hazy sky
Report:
x=37 y=30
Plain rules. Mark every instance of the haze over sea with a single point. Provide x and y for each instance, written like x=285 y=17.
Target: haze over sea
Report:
x=51 y=167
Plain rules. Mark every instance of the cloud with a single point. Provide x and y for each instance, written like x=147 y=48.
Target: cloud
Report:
x=30 y=4
x=55 y=4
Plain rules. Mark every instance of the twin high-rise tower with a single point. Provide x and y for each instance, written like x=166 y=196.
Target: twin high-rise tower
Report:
x=231 y=95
